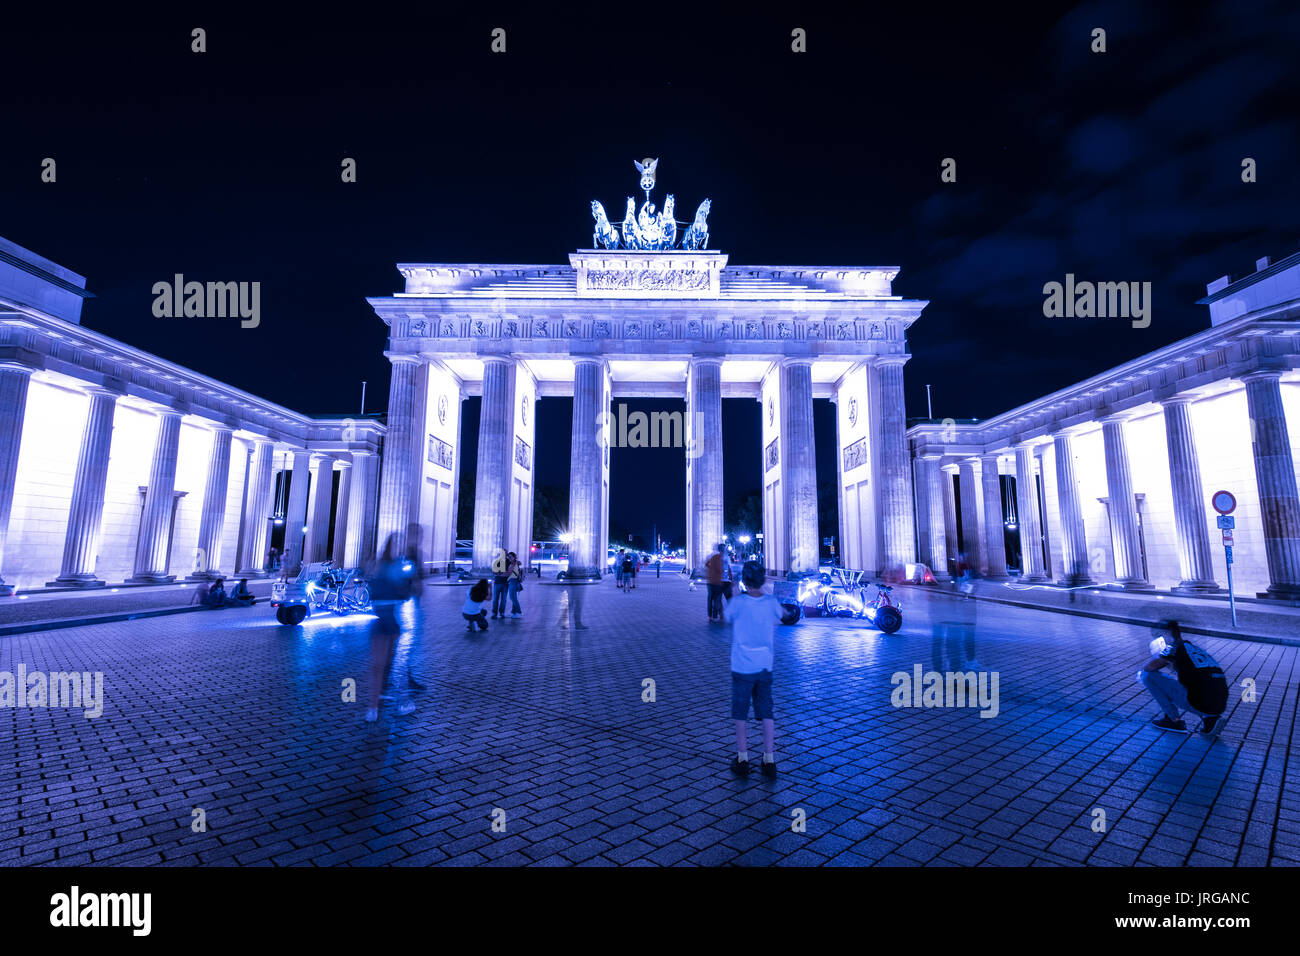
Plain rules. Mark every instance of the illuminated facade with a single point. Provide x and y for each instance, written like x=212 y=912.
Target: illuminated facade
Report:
x=680 y=324
x=1109 y=480
x=117 y=467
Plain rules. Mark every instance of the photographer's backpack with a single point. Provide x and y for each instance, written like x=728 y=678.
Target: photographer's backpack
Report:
x=1200 y=673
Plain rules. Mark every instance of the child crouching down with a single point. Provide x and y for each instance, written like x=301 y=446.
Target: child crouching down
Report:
x=473 y=611
x=753 y=617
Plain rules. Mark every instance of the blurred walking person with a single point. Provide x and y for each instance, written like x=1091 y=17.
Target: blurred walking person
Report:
x=390 y=586
x=415 y=555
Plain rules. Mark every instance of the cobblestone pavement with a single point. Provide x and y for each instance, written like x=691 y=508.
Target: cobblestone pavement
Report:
x=229 y=713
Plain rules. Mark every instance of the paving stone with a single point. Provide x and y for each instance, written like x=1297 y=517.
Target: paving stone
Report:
x=233 y=714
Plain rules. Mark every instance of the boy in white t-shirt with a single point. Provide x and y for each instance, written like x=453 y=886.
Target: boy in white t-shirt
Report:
x=753 y=617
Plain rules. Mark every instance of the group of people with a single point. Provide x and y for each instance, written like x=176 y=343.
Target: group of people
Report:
x=627 y=565
x=216 y=595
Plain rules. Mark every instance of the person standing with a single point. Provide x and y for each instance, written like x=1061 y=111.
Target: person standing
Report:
x=713 y=577
x=618 y=568
x=753 y=616
x=514 y=583
x=500 y=583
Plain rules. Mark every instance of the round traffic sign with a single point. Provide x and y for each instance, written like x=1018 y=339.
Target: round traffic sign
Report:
x=1224 y=502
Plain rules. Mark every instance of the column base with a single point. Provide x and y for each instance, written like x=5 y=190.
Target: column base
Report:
x=1037 y=578
x=150 y=579
x=1076 y=581
x=6 y=590
x=81 y=581
x=1137 y=586
x=1196 y=587
x=1284 y=592
x=199 y=576
x=249 y=573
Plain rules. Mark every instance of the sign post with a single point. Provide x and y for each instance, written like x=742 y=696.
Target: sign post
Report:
x=1225 y=503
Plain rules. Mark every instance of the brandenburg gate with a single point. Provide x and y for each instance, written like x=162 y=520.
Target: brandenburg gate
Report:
x=642 y=314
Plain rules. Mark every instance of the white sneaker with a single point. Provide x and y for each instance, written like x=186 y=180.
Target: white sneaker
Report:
x=372 y=715
x=405 y=707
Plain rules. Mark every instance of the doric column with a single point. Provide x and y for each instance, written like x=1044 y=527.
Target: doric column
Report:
x=1122 y=507
x=341 y=511
x=704 y=406
x=355 y=551
x=318 y=510
x=14 y=379
x=1074 y=543
x=1190 y=520
x=937 y=531
x=1279 y=503
x=257 y=509
x=492 y=480
x=995 y=543
x=798 y=463
x=972 y=535
x=895 y=491
x=1027 y=515
x=295 y=516
x=81 y=540
x=213 y=520
x=586 y=448
x=400 y=444
x=159 y=500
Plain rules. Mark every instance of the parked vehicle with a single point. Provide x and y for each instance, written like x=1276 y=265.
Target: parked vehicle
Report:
x=319 y=587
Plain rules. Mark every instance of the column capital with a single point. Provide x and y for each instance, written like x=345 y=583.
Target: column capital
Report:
x=1261 y=375
x=12 y=365
x=697 y=360
x=790 y=360
x=1178 y=398
x=103 y=391
x=892 y=359
x=404 y=358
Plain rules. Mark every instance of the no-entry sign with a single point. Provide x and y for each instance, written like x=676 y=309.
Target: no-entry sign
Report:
x=1224 y=502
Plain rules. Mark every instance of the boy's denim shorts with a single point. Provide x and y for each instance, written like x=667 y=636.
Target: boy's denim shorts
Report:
x=751 y=687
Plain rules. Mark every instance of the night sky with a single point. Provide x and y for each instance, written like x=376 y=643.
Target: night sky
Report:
x=1122 y=166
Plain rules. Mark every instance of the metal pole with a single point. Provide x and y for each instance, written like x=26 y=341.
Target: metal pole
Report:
x=929 y=409
x=363 y=398
x=1232 y=597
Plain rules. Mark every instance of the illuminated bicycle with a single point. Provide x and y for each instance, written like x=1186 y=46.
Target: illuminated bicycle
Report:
x=320 y=586
x=843 y=593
